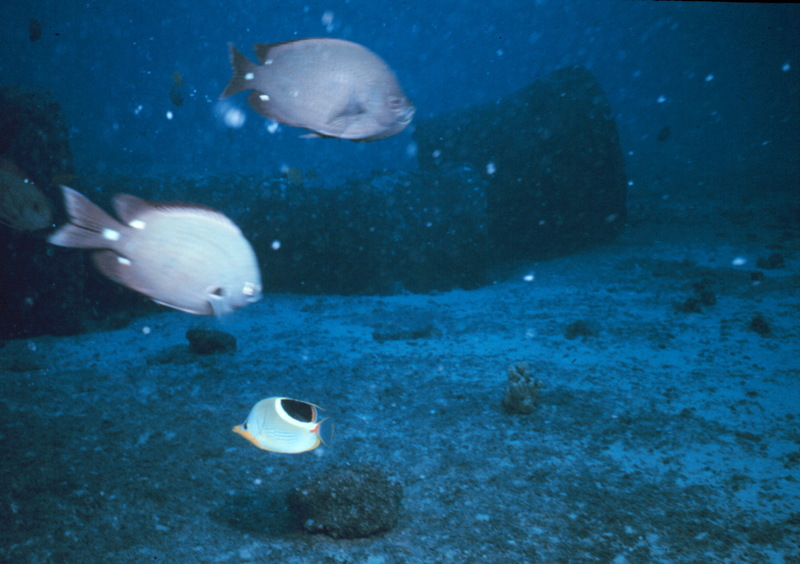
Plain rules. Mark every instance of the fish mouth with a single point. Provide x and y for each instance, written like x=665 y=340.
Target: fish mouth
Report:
x=406 y=115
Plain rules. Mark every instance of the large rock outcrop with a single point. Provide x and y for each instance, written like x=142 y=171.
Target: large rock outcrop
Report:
x=33 y=135
x=551 y=155
x=397 y=231
x=34 y=138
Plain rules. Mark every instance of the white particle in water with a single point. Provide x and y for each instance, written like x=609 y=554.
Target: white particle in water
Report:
x=327 y=20
x=233 y=117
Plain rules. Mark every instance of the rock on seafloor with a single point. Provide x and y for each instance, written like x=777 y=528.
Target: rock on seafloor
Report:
x=210 y=341
x=348 y=502
x=552 y=158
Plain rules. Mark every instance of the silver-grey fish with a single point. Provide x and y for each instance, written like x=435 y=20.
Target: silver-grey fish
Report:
x=184 y=256
x=333 y=87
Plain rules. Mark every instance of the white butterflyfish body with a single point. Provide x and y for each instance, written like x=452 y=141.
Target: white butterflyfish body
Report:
x=283 y=425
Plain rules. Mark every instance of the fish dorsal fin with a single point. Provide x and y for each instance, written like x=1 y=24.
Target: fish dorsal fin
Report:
x=262 y=49
x=130 y=208
x=266 y=51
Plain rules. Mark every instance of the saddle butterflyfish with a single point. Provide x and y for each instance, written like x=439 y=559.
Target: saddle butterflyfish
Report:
x=282 y=425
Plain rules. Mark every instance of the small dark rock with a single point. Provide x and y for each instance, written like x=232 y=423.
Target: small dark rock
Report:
x=404 y=333
x=747 y=436
x=773 y=261
x=706 y=297
x=580 y=328
x=521 y=395
x=759 y=325
x=690 y=305
x=348 y=502
x=704 y=294
x=205 y=341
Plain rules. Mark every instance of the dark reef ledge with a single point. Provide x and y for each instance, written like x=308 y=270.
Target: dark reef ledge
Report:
x=551 y=156
x=534 y=175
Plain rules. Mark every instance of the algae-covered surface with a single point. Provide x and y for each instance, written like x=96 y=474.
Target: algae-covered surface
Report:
x=666 y=429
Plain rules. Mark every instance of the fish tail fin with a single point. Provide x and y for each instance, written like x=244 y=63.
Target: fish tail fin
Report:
x=241 y=66
x=88 y=224
x=325 y=431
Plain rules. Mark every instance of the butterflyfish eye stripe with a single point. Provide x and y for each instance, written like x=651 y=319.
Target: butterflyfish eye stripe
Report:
x=299 y=410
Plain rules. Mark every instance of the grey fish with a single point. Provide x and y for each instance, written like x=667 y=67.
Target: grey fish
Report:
x=185 y=256
x=22 y=205
x=333 y=87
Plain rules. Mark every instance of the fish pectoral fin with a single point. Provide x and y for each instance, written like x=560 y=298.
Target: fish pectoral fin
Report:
x=217 y=303
x=354 y=108
x=347 y=115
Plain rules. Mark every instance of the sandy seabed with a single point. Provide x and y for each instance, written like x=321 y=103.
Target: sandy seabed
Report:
x=662 y=434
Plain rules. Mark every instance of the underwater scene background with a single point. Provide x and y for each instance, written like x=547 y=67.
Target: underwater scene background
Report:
x=554 y=318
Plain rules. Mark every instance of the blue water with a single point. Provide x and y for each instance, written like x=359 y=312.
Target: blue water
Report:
x=723 y=77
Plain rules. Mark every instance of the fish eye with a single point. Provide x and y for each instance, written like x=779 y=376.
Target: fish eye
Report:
x=395 y=102
x=219 y=292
